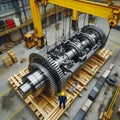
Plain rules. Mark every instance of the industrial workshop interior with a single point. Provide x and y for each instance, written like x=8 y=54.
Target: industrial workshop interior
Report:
x=59 y=59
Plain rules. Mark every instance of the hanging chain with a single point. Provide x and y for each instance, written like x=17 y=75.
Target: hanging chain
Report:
x=69 y=25
x=78 y=22
x=84 y=20
x=46 y=44
x=63 y=27
x=108 y=33
x=66 y=24
x=55 y=25
x=96 y=20
x=70 y=18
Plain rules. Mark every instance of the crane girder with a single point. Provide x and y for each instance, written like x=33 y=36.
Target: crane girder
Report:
x=111 y=12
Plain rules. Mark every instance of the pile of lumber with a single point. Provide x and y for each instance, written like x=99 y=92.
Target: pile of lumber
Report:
x=6 y=46
x=12 y=55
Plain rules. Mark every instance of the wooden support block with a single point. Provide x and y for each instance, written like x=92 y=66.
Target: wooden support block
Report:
x=104 y=54
x=7 y=60
x=12 y=55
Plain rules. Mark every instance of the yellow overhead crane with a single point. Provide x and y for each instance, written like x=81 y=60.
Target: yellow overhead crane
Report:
x=37 y=35
x=108 y=11
x=75 y=20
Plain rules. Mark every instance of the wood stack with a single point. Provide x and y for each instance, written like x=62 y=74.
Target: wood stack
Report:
x=12 y=55
x=9 y=59
x=6 y=46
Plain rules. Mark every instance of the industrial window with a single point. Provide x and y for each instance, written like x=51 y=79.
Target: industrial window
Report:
x=10 y=5
x=26 y=2
x=6 y=6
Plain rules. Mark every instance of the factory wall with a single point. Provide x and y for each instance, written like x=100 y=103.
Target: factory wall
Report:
x=9 y=11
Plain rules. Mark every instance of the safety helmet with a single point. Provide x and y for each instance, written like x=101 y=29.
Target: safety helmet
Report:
x=62 y=93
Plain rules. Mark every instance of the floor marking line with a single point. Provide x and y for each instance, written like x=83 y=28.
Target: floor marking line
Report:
x=5 y=92
x=17 y=111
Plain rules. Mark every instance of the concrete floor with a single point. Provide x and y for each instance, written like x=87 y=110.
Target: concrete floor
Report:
x=13 y=108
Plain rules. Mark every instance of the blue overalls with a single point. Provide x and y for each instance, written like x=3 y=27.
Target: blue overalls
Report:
x=62 y=100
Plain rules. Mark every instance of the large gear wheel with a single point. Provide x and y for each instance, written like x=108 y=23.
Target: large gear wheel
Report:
x=61 y=82
x=51 y=66
x=52 y=88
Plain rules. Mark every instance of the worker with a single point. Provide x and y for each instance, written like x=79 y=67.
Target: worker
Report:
x=62 y=100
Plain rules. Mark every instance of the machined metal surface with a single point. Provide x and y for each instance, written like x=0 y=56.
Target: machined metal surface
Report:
x=49 y=71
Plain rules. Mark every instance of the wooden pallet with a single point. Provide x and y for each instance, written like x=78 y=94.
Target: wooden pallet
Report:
x=46 y=108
